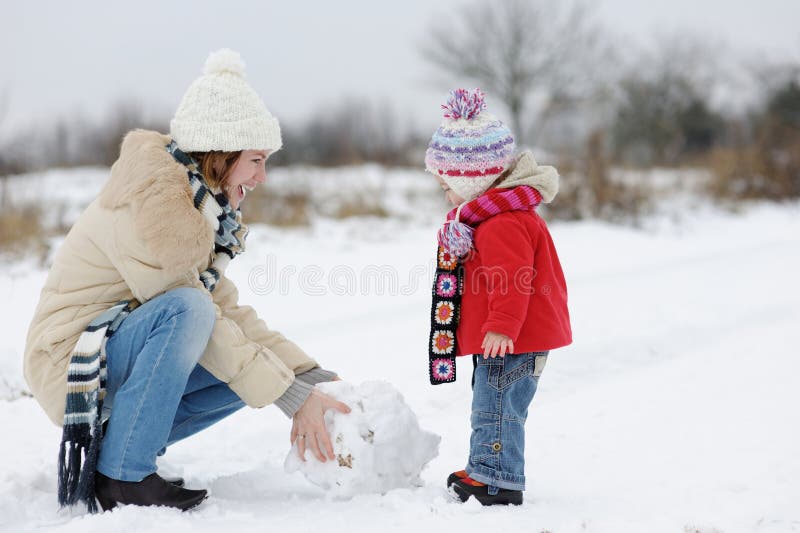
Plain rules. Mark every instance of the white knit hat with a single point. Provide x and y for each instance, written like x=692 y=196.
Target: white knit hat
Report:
x=220 y=111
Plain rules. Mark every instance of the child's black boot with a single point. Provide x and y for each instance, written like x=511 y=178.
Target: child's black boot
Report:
x=486 y=495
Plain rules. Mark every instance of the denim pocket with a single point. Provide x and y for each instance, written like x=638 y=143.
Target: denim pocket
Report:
x=506 y=379
x=533 y=365
x=494 y=372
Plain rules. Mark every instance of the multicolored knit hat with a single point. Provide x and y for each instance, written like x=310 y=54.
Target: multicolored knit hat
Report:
x=470 y=149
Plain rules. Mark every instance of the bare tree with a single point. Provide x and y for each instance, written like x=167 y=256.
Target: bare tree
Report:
x=769 y=74
x=668 y=100
x=351 y=130
x=99 y=143
x=533 y=55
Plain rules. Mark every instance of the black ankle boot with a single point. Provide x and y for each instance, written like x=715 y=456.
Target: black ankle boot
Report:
x=177 y=481
x=152 y=490
x=464 y=489
x=455 y=476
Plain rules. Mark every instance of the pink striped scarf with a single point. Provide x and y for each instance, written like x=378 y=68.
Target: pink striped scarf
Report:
x=456 y=233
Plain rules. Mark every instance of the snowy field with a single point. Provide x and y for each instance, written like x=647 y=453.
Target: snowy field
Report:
x=674 y=410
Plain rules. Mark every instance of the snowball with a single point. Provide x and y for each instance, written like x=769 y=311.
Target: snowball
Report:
x=224 y=60
x=378 y=446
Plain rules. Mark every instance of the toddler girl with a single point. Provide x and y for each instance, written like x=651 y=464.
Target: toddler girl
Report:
x=499 y=292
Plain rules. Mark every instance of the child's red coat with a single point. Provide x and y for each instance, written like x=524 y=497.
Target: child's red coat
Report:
x=514 y=285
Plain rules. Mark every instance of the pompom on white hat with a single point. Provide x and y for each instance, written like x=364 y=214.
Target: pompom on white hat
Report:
x=220 y=111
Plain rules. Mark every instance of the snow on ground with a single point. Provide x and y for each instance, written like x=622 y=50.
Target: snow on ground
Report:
x=674 y=409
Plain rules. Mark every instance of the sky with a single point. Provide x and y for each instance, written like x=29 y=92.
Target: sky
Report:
x=69 y=59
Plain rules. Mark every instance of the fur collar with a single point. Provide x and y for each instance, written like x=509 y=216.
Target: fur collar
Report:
x=525 y=171
x=157 y=188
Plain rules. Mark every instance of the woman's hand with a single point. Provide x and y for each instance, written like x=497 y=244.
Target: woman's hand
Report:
x=495 y=344
x=308 y=425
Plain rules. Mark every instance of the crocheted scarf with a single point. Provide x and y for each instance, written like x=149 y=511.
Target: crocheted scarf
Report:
x=455 y=245
x=86 y=373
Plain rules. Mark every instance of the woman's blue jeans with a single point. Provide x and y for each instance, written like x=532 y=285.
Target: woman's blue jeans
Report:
x=502 y=390
x=156 y=393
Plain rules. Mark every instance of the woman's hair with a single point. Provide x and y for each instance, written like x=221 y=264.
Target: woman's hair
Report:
x=216 y=166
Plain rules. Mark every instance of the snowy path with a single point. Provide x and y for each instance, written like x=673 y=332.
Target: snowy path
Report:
x=674 y=410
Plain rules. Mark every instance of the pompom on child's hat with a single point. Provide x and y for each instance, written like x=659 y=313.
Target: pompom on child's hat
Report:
x=221 y=111
x=471 y=148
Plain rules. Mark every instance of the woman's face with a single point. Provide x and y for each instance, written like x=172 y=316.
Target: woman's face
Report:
x=250 y=170
x=451 y=196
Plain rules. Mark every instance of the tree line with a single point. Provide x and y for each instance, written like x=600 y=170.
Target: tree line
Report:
x=566 y=86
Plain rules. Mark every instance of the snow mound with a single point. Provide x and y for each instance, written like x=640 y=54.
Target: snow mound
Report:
x=378 y=446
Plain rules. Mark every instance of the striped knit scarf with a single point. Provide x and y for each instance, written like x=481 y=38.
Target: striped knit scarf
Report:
x=455 y=242
x=86 y=373
x=230 y=233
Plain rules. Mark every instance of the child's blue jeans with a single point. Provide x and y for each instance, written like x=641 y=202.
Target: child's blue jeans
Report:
x=502 y=390
x=156 y=393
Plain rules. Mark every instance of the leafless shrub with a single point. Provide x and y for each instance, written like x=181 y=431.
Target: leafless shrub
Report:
x=277 y=208
x=357 y=206
x=350 y=131
x=664 y=114
x=20 y=229
x=587 y=189
x=764 y=163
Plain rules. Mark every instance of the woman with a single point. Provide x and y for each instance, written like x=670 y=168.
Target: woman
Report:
x=138 y=340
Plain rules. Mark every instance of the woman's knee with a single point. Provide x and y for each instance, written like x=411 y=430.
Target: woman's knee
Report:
x=197 y=303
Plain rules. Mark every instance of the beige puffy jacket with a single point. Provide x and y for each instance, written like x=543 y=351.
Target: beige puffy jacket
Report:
x=140 y=237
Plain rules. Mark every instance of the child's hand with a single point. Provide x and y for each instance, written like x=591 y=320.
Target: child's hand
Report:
x=495 y=344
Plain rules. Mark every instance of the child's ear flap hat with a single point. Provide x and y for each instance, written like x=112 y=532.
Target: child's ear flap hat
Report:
x=471 y=148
